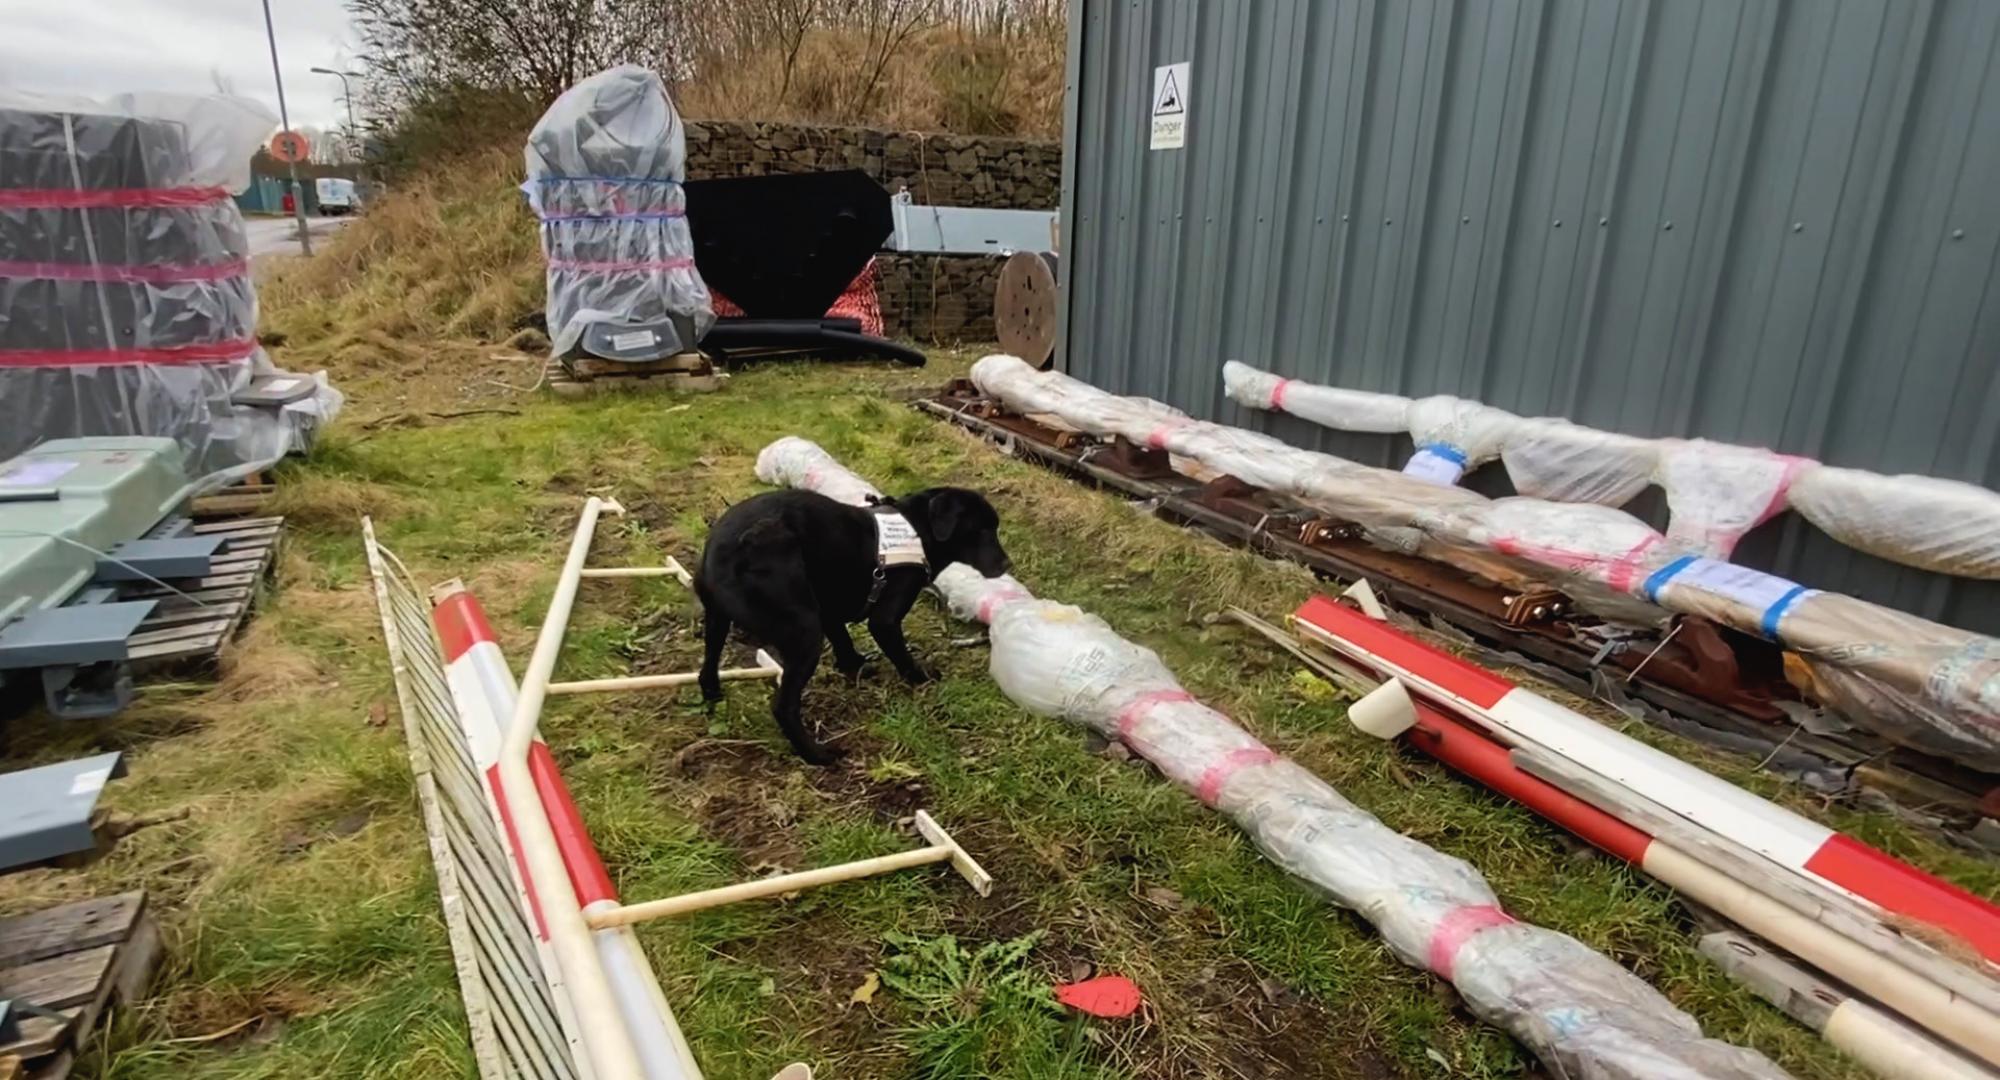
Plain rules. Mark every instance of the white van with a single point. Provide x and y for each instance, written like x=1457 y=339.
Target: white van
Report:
x=336 y=195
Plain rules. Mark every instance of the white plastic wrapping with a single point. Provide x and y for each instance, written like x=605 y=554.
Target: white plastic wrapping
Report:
x=1933 y=687
x=1583 y=1015
x=1348 y=410
x=1942 y=525
x=800 y=463
x=1716 y=492
x=1580 y=1013
x=1551 y=458
x=1454 y=435
x=605 y=166
x=126 y=302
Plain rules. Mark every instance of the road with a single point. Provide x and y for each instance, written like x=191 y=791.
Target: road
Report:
x=280 y=235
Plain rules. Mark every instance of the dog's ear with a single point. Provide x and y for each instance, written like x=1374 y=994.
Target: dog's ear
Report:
x=944 y=513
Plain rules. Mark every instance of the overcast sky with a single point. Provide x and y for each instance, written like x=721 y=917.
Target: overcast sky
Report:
x=109 y=46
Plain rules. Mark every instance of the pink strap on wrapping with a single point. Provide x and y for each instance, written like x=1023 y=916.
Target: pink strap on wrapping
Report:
x=991 y=600
x=1157 y=438
x=71 y=199
x=207 y=353
x=170 y=274
x=1793 y=466
x=1218 y=774
x=678 y=263
x=1458 y=927
x=1278 y=394
x=1129 y=716
x=1623 y=573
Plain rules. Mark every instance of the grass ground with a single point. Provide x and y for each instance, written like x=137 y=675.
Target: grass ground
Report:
x=298 y=895
x=302 y=919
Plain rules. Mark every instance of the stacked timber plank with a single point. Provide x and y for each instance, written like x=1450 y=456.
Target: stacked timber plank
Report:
x=75 y=962
x=583 y=376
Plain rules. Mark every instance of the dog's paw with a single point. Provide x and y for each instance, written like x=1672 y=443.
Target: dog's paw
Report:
x=820 y=754
x=864 y=668
x=918 y=677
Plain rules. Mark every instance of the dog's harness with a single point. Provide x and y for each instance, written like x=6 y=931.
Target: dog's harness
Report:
x=896 y=544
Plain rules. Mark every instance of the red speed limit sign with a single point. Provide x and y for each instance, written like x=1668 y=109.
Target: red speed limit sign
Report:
x=289 y=146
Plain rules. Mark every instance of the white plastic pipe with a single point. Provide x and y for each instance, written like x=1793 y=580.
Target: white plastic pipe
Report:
x=582 y=975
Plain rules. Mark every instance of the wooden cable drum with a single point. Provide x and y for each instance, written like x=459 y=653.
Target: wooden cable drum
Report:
x=1024 y=307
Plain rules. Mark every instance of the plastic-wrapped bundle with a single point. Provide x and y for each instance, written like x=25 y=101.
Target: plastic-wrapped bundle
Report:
x=1923 y=684
x=1582 y=1014
x=800 y=463
x=1717 y=492
x=1348 y=410
x=1933 y=687
x=1551 y=458
x=605 y=166
x=1922 y=521
x=1454 y=435
x=126 y=304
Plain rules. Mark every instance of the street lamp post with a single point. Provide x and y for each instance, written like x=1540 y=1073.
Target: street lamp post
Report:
x=347 y=95
x=298 y=193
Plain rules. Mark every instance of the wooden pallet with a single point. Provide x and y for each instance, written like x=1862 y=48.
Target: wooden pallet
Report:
x=583 y=378
x=77 y=960
x=246 y=496
x=190 y=623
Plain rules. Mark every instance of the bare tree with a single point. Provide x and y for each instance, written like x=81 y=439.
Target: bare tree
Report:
x=535 y=47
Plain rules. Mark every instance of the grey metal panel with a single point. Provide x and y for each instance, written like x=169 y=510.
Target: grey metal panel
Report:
x=1763 y=221
x=45 y=812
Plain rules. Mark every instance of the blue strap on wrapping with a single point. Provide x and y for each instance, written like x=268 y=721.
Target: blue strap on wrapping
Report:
x=1777 y=610
x=1446 y=451
x=1663 y=575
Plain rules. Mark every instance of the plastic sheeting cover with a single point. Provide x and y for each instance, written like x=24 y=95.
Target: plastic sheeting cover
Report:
x=1582 y=1014
x=1716 y=492
x=800 y=463
x=1348 y=410
x=126 y=303
x=1942 y=525
x=605 y=165
x=1564 y=462
x=1919 y=683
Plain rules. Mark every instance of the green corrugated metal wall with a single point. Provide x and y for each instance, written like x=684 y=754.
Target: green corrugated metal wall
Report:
x=1764 y=221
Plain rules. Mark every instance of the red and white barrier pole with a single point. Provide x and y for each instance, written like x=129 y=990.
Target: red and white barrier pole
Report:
x=484 y=690
x=1883 y=1042
x=1517 y=715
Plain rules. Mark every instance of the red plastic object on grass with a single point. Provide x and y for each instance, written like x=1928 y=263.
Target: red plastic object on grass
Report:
x=1110 y=996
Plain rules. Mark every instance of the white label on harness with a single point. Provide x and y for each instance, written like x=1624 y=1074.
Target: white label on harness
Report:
x=896 y=542
x=36 y=473
x=634 y=339
x=279 y=386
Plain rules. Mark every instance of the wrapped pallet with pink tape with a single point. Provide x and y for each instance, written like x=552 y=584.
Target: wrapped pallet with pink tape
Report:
x=1584 y=1016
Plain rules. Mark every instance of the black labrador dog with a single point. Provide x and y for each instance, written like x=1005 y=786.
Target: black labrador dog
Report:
x=793 y=568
